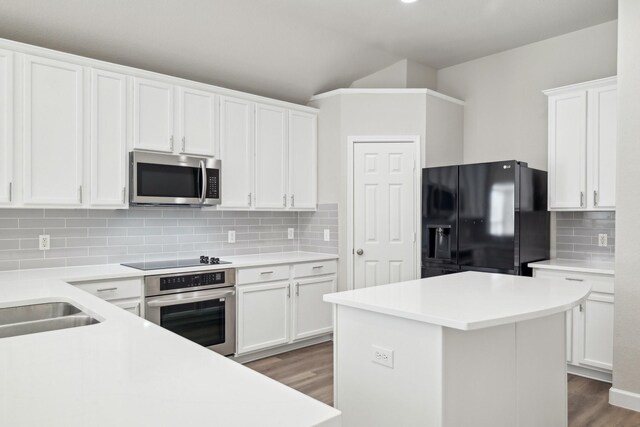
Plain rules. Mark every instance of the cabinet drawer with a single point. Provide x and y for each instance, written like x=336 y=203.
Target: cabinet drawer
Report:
x=598 y=282
x=314 y=268
x=265 y=273
x=110 y=290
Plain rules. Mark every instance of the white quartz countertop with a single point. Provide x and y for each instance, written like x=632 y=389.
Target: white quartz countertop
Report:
x=117 y=271
x=128 y=371
x=576 y=266
x=469 y=300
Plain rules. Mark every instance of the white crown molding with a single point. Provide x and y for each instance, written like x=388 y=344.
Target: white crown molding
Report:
x=584 y=85
x=359 y=91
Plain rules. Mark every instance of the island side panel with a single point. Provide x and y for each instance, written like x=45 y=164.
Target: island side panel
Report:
x=542 y=372
x=479 y=377
x=370 y=394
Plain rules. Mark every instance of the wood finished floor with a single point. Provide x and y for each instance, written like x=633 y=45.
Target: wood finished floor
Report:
x=310 y=371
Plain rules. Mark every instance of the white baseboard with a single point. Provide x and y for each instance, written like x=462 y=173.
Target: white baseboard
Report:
x=593 y=374
x=624 y=399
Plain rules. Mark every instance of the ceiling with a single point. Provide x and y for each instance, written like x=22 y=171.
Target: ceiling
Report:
x=290 y=49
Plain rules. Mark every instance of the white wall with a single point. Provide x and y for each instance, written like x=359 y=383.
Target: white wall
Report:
x=626 y=344
x=506 y=112
x=402 y=74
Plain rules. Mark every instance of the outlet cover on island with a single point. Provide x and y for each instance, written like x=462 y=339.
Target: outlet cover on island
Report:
x=232 y=236
x=290 y=233
x=382 y=356
x=602 y=240
x=327 y=235
x=44 y=242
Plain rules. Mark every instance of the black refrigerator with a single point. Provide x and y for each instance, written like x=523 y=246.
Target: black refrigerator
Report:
x=484 y=217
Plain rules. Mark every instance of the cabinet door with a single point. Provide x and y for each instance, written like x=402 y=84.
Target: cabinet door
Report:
x=567 y=150
x=263 y=316
x=302 y=160
x=53 y=126
x=132 y=305
x=271 y=169
x=152 y=115
x=603 y=134
x=236 y=153
x=311 y=315
x=196 y=121
x=596 y=332
x=6 y=127
x=108 y=139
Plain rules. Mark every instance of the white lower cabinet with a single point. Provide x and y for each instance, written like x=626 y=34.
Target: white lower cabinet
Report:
x=273 y=312
x=311 y=316
x=123 y=293
x=263 y=316
x=590 y=325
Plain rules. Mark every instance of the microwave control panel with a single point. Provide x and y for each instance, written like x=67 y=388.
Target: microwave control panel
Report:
x=213 y=183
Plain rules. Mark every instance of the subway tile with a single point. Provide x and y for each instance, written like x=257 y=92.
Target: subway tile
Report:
x=9 y=265
x=107 y=232
x=177 y=230
x=58 y=242
x=9 y=244
x=161 y=222
x=178 y=213
x=235 y=214
x=119 y=259
x=144 y=231
x=42 y=263
x=86 y=222
x=120 y=222
x=42 y=223
x=21 y=213
x=126 y=241
x=102 y=213
x=65 y=232
x=192 y=238
x=160 y=240
x=89 y=260
x=21 y=233
x=207 y=214
x=21 y=254
x=66 y=252
x=9 y=223
x=66 y=213
x=73 y=242
x=108 y=250
x=144 y=249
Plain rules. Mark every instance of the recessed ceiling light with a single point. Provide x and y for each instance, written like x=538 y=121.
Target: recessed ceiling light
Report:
x=408 y=1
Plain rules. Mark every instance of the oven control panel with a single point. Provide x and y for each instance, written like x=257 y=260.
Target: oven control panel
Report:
x=192 y=280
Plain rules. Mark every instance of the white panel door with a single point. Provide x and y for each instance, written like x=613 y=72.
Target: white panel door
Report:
x=603 y=135
x=303 y=159
x=197 y=122
x=108 y=139
x=236 y=152
x=53 y=126
x=6 y=127
x=263 y=315
x=271 y=151
x=152 y=115
x=311 y=315
x=567 y=150
x=596 y=332
x=384 y=212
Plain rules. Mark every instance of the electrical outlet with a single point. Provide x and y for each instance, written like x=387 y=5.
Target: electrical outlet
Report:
x=44 y=242
x=602 y=240
x=382 y=356
x=327 y=235
x=290 y=233
x=232 y=236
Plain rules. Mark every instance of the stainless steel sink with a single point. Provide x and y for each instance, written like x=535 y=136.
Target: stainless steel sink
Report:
x=34 y=318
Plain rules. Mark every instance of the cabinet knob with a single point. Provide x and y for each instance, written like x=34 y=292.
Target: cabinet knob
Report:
x=360 y=252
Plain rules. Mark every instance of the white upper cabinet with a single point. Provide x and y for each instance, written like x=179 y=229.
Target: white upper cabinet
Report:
x=197 y=122
x=6 y=127
x=108 y=148
x=152 y=115
x=302 y=160
x=603 y=134
x=582 y=146
x=236 y=153
x=271 y=149
x=53 y=132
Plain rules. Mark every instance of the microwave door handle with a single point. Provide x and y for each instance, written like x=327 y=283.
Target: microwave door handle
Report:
x=203 y=173
x=183 y=299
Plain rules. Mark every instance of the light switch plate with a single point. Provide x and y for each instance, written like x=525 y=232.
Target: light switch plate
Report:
x=232 y=236
x=602 y=240
x=382 y=356
x=327 y=235
x=44 y=242
x=290 y=233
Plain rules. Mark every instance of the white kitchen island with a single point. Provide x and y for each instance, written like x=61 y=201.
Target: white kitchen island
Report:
x=468 y=349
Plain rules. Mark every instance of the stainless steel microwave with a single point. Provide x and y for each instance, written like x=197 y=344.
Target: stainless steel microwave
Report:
x=166 y=179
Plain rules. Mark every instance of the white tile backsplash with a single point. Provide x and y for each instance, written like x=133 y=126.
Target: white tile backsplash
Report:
x=577 y=235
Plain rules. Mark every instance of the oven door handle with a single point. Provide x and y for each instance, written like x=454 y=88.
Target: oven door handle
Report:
x=186 y=298
x=203 y=172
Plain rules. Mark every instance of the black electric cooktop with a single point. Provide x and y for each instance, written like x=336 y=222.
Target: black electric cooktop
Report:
x=159 y=265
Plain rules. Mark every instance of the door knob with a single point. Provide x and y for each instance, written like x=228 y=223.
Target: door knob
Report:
x=359 y=251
